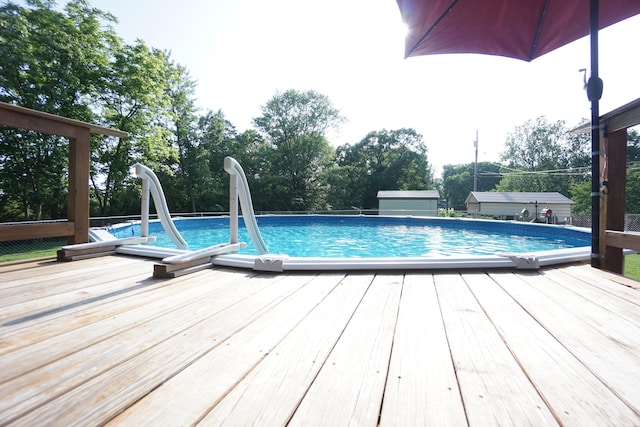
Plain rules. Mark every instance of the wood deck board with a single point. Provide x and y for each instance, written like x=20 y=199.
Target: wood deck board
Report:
x=37 y=327
x=106 y=343
x=349 y=388
x=68 y=338
x=421 y=387
x=597 y=294
x=578 y=326
x=58 y=273
x=271 y=392
x=80 y=365
x=231 y=361
x=127 y=382
x=558 y=375
x=62 y=296
x=494 y=388
x=610 y=283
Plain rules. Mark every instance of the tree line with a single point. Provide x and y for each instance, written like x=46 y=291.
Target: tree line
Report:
x=542 y=156
x=72 y=63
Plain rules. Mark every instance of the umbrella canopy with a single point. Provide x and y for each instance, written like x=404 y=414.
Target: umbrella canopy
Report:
x=522 y=29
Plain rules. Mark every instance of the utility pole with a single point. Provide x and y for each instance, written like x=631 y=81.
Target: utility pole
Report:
x=475 y=168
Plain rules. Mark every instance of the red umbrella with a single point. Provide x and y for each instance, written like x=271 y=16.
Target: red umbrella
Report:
x=522 y=29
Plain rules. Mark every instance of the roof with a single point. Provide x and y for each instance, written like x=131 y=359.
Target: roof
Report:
x=519 y=197
x=414 y=194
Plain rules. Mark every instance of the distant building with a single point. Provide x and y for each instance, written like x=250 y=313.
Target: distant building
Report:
x=523 y=206
x=415 y=203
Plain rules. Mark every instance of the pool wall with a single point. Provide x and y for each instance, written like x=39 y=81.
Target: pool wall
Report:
x=280 y=263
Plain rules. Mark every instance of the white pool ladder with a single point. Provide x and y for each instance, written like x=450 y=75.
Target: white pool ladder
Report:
x=151 y=184
x=238 y=193
x=239 y=189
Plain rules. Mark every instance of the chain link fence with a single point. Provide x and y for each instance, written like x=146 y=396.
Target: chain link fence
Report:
x=44 y=247
x=631 y=221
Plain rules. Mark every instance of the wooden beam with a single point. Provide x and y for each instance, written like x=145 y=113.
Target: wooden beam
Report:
x=78 y=204
x=623 y=239
x=622 y=118
x=78 y=134
x=26 y=118
x=616 y=149
x=9 y=233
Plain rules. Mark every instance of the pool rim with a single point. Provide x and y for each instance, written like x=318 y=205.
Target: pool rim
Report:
x=281 y=263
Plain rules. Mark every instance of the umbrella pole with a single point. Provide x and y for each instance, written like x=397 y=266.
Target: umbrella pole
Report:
x=594 y=93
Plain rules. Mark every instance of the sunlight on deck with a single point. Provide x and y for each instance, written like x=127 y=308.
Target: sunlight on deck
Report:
x=100 y=341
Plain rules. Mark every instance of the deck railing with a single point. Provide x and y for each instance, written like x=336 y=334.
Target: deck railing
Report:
x=613 y=160
x=76 y=228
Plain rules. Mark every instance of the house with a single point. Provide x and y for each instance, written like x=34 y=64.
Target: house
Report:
x=416 y=203
x=523 y=206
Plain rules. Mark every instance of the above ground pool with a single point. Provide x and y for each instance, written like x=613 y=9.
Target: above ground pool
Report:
x=358 y=242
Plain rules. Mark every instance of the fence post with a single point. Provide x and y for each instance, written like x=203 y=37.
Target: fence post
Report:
x=78 y=204
x=616 y=178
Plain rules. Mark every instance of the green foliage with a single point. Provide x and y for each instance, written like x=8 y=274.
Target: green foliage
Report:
x=457 y=181
x=632 y=191
x=72 y=63
x=134 y=99
x=545 y=157
x=294 y=124
x=632 y=266
x=385 y=160
x=633 y=145
x=580 y=193
x=541 y=156
x=51 y=61
x=449 y=213
x=30 y=249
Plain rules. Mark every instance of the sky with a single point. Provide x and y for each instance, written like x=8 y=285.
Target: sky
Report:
x=242 y=52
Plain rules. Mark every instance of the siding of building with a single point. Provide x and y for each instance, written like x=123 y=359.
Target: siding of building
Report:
x=415 y=207
x=403 y=203
x=510 y=205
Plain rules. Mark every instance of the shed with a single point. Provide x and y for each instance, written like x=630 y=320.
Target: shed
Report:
x=416 y=203
x=523 y=205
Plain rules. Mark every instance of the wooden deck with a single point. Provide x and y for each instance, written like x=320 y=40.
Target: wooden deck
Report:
x=101 y=342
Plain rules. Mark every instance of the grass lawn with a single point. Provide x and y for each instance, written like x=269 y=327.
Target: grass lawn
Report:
x=632 y=266
x=19 y=252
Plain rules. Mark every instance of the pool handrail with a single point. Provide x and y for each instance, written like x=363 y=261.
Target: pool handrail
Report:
x=151 y=184
x=239 y=189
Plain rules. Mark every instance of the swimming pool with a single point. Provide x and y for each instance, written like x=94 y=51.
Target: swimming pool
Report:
x=357 y=242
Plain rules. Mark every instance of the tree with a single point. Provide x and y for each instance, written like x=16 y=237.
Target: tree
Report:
x=633 y=145
x=580 y=193
x=295 y=124
x=133 y=98
x=457 y=181
x=581 y=188
x=632 y=191
x=541 y=156
x=186 y=181
x=216 y=136
x=384 y=160
x=52 y=62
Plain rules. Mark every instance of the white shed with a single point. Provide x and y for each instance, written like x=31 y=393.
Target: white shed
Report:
x=416 y=203
x=526 y=206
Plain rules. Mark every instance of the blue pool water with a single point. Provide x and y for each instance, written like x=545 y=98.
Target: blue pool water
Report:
x=372 y=236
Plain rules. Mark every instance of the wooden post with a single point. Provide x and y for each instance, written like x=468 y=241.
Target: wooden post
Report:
x=616 y=144
x=78 y=203
x=76 y=229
